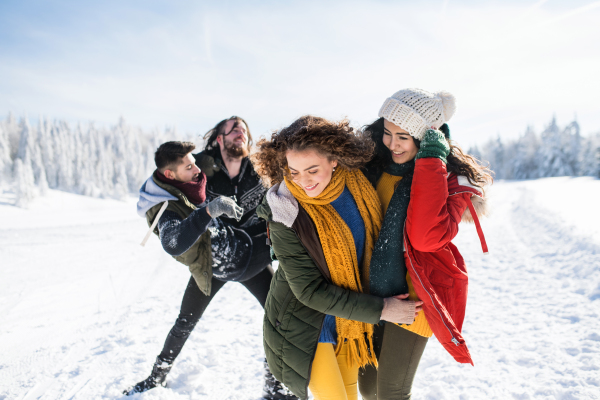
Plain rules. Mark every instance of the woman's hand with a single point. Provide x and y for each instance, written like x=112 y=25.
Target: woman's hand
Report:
x=400 y=311
x=434 y=145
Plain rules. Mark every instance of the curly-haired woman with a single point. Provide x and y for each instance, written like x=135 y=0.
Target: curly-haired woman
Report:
x=426 y=185
x=323 y=217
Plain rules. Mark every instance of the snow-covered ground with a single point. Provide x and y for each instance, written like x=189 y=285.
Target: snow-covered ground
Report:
x=84 y=309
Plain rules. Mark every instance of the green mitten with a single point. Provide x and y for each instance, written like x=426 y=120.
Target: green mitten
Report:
x=434 y=145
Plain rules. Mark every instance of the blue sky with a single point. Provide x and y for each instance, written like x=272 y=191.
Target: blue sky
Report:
x=191 y=64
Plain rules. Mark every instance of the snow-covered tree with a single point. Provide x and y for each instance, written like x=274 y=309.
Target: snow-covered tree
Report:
x=25 y=185
x=5 y=160
x=13 y=132
x=525 y=165
x=573 y=142
x=555 y=155
x=557 y=152
x=29 y=152
x=590 y=156
x=493 y=153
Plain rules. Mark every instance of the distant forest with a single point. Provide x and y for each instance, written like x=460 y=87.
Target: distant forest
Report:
x=114 y=162
x=92 y=161
x=554 y=152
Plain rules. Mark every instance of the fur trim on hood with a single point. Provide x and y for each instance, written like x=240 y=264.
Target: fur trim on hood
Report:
x=284 y=205
x=478 y=199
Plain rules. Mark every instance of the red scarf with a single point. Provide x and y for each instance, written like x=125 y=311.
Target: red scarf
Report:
x=195 y=191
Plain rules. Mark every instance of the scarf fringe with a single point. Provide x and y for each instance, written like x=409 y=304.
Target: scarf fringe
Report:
x=359 y=352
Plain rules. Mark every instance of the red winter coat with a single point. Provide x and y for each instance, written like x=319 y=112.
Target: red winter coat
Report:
x=438 y=202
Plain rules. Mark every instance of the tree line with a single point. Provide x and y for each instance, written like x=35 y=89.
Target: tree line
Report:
x=114 y=162
x=555 y=151
x=89 y=160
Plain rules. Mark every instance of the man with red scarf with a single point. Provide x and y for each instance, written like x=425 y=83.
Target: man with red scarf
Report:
x=218 y=237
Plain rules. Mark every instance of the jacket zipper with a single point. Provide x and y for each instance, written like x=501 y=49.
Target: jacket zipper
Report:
x=429 y=294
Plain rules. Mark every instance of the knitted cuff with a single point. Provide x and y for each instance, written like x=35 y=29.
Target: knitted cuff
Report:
x=398 y=311
x=434 y=145
x=409 y=317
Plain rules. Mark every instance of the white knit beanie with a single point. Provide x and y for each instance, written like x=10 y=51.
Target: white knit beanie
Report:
x=416 y=110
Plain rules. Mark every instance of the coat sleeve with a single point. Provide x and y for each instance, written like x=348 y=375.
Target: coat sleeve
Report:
x=310 y=287
x=177 y=235
x=433 y=216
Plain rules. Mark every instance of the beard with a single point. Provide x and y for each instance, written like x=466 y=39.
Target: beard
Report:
x=234 y=150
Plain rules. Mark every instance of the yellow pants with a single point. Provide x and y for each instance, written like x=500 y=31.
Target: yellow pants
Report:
x=331 y=378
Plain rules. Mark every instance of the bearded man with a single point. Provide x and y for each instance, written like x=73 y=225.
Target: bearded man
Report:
x=239 y=252
x=229 y=172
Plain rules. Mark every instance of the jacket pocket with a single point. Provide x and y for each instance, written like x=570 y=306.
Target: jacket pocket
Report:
x=284 y=305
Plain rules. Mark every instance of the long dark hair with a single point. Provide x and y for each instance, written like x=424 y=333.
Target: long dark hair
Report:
x=210 y=137
x=459 y=162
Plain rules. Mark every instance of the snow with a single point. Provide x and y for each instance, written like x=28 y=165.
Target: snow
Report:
x=84 y=309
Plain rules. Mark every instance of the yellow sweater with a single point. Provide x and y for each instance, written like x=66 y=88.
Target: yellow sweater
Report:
x=385 y=190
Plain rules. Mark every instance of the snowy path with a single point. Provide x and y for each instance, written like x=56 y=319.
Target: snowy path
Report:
x=532 y=320
x=84 y=309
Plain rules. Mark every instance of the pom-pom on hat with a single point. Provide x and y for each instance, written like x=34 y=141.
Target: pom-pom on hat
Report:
x=416 y=110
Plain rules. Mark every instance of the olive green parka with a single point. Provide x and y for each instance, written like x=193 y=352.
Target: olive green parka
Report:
x=198 y=258
x=301 y=292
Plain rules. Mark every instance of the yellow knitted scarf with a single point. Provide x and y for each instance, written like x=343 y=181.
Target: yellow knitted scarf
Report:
x=340 y=253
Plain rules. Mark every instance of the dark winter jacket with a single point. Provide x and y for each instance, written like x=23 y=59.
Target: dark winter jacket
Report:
x=245 y=188
x=198 y=256
x=301 y=292
x=438 y=203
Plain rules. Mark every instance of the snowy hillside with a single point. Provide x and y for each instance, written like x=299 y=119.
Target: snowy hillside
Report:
x=84 y=309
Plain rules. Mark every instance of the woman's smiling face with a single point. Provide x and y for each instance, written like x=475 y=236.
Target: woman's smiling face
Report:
x=400 y=142
x=310 y=170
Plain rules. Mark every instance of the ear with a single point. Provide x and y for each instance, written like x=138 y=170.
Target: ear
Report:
x=220 y=139
x=334 y=163
x=169 y=174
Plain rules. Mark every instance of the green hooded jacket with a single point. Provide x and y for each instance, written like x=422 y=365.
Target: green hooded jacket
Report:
x=198 y=257
x=301 y=292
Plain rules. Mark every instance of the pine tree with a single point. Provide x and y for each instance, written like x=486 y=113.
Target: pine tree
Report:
x=493 y=154
x=13 y=133
x=5 y=160
x=525 y=158
x=572 y=141
x=29 y=152
x=552 y=155
x=598 y=162
x=590 y=162
x=64 y=157
x=25 y=185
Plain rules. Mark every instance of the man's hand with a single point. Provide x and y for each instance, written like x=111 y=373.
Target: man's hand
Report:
x=224 y=205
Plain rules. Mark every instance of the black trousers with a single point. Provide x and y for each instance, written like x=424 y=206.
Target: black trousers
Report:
x=195 y=302
x=398 y=353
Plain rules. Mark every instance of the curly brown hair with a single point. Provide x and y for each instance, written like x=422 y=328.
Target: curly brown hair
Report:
x=336 y=140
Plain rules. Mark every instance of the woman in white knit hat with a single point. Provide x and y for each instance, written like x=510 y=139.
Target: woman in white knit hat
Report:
x=426 y=185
